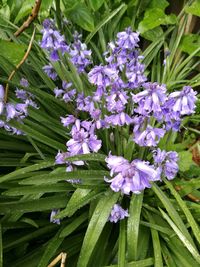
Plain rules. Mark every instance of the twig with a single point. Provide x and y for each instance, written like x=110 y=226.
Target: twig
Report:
x=18 y=66
x=190 y=196
x=56 y=260
x=62 y=256
x=30 y=19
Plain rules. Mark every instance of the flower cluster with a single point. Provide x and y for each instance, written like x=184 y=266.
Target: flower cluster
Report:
x=54 y=43
x=123 y=101
x=17 y=111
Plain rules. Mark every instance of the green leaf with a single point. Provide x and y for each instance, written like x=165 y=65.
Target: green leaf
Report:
x=133 y=226
x=190 y=43
x=153 y=34
x=35 y=167
x=24 y=10
x=153 y=18
x=142 y=263
x=47 y=203
x=5 y=12
x=96 y=4
x=51 y=249
x=12 y=51
x=194 y=8
x=1 y=247
x=95 y=227
x=88 y=157
x=103 y=22
x=80 y=198
x=171 y=211
x=122 y=244
x=156 y=245
x=27 y=190
x=185 y=209
x=54 y=178
x=70 y=228
x=162 y=4
x=185 y=160
x=81 y=16
x=182 y=237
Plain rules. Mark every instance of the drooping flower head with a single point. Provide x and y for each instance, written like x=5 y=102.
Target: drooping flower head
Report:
x=132 y=176
x=117 y=213
x=167 y=162
x=184 y=101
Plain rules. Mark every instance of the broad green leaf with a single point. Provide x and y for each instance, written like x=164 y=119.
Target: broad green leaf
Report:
x=185 y=160
x=182 y=237
x=95 y=227
x=153 y=18
x=80 y=15
x=12 y=51
x=153 y=34
x=133 y=226
x=190 y=43
x=5 y=12
x=162 y=4
x=194 y=8
x=96 y=4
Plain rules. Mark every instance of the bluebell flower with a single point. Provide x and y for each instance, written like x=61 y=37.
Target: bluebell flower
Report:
x=117 y=213
x=166 y=162
x=147 y=137
x=132 y=176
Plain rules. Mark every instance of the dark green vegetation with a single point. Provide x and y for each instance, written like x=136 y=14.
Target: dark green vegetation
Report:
x=163 y=227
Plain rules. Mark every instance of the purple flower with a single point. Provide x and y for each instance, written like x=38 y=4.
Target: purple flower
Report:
x=66 y=94
x=1 y=99
x=148 y=137
x=118 y=119
x=167 y=162
x=130 y=177
x=127 y=39
x=54 y=212
x=85 y=103
x=117 y=213
x=53 y=41
x=49 y=70
x=102 y=76
x=80 y=56
x=70 y=119
x=116 y=101
x=24 y=82
x=184 y=101
x=151 y=99
x=83 y=140
x=61 y=158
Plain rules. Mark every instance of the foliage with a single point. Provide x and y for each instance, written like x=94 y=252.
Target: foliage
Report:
x=163 y=224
